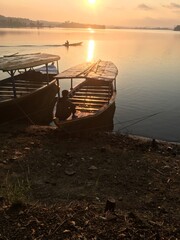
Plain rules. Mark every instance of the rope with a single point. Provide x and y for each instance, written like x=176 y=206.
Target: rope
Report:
x=25 y=114
x=108 y=125
x=137 y=120
x=86 y=71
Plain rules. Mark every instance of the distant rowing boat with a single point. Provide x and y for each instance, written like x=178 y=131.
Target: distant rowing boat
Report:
x=72 y=44
x=46 y=45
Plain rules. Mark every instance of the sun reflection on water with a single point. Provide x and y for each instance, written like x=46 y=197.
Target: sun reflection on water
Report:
x=91 y=30
x=91 y=46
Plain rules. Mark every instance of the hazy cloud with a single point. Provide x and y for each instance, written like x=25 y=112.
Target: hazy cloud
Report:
x=153 y=22
x=177 y=12
x=172 y=5
x=144 y=7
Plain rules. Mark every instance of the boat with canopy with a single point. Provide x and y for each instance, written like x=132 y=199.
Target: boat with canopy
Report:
x=28 y=94
x=94 y=97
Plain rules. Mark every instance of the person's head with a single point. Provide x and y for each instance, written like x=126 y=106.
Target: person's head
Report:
x=65 y=93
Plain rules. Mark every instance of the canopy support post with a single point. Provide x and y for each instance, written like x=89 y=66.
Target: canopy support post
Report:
x=47 y=74
x=115 y=84
x=57 y=64
x=58 y=88
x=71 y=83
x=13 y=82
x=57 y=67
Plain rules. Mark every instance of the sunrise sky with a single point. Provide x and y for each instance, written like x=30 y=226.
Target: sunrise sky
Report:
x=150 y=13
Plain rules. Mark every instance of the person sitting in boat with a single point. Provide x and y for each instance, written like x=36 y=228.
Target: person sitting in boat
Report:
x=65 y=107
x=67 y=43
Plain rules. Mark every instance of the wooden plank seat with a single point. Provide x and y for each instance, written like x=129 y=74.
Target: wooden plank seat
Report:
x=5 y=92
x=91 y=99
x=12 y=96
x=88 y=104
x=89 y=94
x=37 y=85
x=30 y=81
x=5 y=97
x=85 y=109
x=10 y=88
x=94 y=90
x=96 y=87
x=17 y=91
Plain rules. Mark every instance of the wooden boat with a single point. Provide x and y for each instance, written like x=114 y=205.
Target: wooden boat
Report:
x=27 y=95
x=72 y=44
x=94 y=97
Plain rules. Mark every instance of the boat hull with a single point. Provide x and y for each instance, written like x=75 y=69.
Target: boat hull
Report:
x=92 y=119
x=34 y=108
x=72 y=44
x=100 y=122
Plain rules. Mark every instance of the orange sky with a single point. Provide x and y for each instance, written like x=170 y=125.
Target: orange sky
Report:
x=151 y=13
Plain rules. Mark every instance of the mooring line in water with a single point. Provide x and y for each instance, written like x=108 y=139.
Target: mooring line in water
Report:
x=107 y=125
x=26 y=116
x=137 y=120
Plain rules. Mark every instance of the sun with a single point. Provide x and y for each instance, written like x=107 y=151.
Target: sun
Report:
x=92 y=1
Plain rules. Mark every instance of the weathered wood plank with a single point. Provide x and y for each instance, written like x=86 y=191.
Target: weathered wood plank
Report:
x=101 y=70
x=16 y=62
x=37 y=85
x=91 y=98
x=94 y=90
x=30 y=81
x=88 y=94
x=96 y=87
x=6 y=96
x=87 y=109
x=17 y=91
x=10 y=88
x=88 y=104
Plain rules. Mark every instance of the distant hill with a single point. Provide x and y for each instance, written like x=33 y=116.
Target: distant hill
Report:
x=80 y=25
x=177 y=28
x=12 y=22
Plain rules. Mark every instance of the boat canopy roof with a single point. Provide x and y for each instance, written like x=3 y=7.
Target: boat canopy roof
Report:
x=101 y=70
x=16 y=62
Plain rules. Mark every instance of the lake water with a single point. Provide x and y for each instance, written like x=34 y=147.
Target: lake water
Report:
x=148 y=83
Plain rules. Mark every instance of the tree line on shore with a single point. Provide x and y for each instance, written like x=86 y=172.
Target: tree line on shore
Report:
x=12 y=22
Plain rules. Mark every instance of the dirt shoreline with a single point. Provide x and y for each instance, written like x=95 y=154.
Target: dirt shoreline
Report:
x=55 y=186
